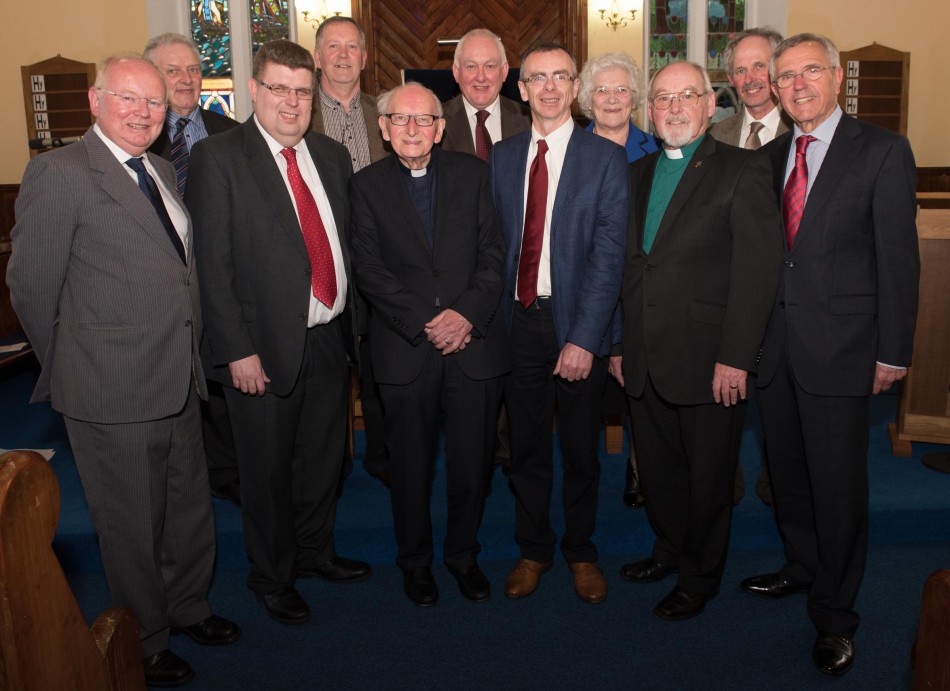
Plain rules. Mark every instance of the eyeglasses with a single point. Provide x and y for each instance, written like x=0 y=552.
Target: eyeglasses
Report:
x=619 y=91
x=422 y=119
x=132 y=101
x=687 y=99
x=303 y=93
x=558 y=78
x=811 y=74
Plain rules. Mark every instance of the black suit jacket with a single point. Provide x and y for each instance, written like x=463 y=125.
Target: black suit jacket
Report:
x=407 y=282
x=848 y=294
x=215 y=123
x=515 y=118
x=704 y=293
x=251 y=254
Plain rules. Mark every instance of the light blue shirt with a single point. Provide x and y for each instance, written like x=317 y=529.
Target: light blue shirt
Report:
x=195 y=130
x=817 y=150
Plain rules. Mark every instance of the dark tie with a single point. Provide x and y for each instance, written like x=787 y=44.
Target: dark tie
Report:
x=482 y=140
x=180 y=154
x=793 y=199
x=148 y=186
x=753 y=141
x=322 y=270
x=533 y=236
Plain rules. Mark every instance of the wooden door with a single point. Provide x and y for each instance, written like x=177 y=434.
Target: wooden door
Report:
x=404 y=34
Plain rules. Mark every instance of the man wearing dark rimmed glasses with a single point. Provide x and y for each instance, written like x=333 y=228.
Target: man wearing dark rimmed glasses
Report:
x=427 y=253
x=270 y=208
x=103 y=279
x=699 y=280
x=842 y=328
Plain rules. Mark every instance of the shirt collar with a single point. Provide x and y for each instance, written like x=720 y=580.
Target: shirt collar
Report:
x=272 y=144
x=493 y=108
x=172 y=118
x=328 y=100
x=826 y=130
x=121 y=154
x=558 y=137
x=685 y=151
x=770 y=120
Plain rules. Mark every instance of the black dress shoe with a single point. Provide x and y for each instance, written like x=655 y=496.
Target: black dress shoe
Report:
x=646 y=571
x=472 y=583
x=286 y=606
x=339 y=570
x=772 y=585
x=681 y=604
x=166 y=669
x=213 y=630
x=632 y=496
x=420 y=586
x=833 y=654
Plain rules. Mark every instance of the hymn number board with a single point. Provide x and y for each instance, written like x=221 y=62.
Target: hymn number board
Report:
x=875 y=86
x=55 y=98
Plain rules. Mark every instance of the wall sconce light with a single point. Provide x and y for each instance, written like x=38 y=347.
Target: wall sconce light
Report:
x=320 y=9
x=616 y=12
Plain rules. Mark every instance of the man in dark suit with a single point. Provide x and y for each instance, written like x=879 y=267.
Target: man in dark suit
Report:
x=102 y=278
x=480 y=115
x=563 y=270
x=347 y=115
x=760 y=119
x=699 y=280
x=270 y=208
x=176 y=57
x=428 y=257
x=842 y=328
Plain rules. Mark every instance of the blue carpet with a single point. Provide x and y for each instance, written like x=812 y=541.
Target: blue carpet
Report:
x=368 y=636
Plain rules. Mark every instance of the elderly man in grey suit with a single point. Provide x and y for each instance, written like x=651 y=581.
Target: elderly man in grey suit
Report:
x=186 y=123
x=270 y=207
x=103 y=280
x=760 y=119
x=480 y=115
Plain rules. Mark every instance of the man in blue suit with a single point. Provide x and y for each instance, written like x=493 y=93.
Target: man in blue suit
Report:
x=561 y=196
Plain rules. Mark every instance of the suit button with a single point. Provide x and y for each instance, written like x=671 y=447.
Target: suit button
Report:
x=301 y=317
x=436 y=273
x=188 y=324
x=790 y=264
x=648 y=267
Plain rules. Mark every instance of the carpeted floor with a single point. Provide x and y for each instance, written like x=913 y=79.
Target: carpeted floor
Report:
x=369 y=636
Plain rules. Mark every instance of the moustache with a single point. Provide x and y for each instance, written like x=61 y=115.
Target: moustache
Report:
x=753 y=85
x=676 y=120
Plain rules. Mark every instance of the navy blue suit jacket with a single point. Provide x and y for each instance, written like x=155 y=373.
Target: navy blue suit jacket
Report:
x=588 y=234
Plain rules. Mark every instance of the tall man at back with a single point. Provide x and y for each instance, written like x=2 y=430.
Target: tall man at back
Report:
x=480 y=115
x=176 y=57
x=561 y=195
x=842 y=328
x=270 y=209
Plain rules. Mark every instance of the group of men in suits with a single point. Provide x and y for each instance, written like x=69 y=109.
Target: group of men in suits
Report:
x=530 y=277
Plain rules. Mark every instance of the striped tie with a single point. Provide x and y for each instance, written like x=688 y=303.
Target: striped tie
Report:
x=793 y=199
x=180 y=155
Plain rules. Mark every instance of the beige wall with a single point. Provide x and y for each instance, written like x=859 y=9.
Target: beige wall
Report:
x=87 y=30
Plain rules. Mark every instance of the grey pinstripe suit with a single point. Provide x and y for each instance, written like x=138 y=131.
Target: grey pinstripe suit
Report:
x=114 y=317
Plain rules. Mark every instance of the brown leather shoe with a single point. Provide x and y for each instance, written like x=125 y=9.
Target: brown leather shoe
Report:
x=589 y=582
x=524 y=578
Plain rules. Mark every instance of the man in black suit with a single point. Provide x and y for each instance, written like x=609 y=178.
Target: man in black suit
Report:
x=700 y=275
x=270 y=209
x=428 y=255
x=842 y=328
x=480 y=115
x=177 y=58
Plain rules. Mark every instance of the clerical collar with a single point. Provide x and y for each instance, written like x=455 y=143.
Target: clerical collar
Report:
x=683 y=152
x=417 y=172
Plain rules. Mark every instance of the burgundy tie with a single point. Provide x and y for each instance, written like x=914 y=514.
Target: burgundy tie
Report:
x=322 y=271
x=533 y=236
x=482 y=140
x=793 y=199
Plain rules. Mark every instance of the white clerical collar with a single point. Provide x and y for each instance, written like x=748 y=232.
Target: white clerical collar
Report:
x=673 y=153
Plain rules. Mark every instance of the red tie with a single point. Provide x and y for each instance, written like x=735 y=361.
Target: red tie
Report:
x=793 y=199
x=322 y=271
x=533 y=228
x=482 y=140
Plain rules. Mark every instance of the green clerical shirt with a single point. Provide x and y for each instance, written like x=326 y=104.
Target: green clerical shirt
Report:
x=669 y=170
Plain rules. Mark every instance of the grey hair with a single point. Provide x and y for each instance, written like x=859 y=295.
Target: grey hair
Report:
x=169 y=39
x=766 y=32
x=603 y=62
x=699 y=68
x=831 y=50
x=485 y=33
x=339 y=19
x=382 y=101
x=106 y=64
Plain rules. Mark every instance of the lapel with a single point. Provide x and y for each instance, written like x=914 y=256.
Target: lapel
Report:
x=444 y=191
x=514 y=189
x=398 y=203
x=272 y=187
x=377 y=146
x=641 y=194
x=700 y=164
x=639 y=140
x=513 y=119
x=119 y=185
x=567 y=184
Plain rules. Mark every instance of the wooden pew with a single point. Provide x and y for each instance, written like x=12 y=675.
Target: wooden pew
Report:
x=44 y=641
x=932 y=650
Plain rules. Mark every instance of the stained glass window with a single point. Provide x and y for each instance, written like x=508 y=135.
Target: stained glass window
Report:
x=725 y=18
x=668 y=32
x=270 y=19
